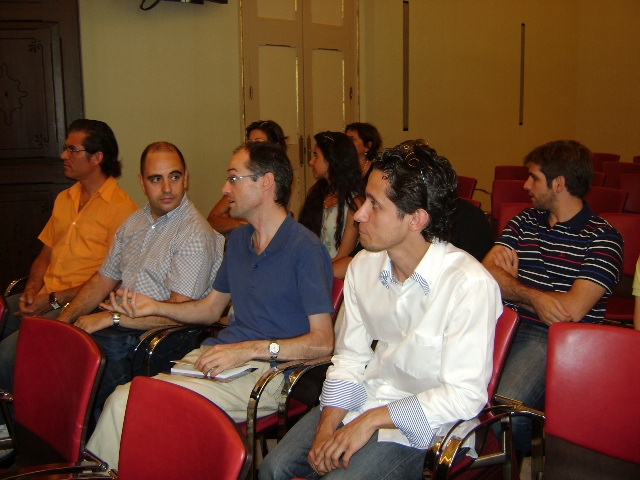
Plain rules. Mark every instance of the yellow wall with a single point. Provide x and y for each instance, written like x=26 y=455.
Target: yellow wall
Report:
x=581 y=77
x=171 y=73
x=174 y=73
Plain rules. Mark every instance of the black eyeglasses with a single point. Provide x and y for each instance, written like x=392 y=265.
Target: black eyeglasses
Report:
x=71 y=149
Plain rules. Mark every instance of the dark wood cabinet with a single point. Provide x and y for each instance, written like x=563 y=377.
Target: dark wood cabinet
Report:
x=40 y=94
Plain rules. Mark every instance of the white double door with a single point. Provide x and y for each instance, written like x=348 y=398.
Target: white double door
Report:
x=299 y=69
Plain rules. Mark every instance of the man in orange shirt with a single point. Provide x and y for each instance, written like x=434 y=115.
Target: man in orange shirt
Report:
x=79 y=233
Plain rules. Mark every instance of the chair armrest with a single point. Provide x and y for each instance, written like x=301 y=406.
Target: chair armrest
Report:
x=89 y=463
x=14 y=284
x=446 y=456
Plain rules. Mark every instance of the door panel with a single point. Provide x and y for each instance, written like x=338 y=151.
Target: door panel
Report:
x=302 y=50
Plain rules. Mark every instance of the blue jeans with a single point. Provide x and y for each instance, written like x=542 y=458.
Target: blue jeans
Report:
x=524 y=376
x=379 y=460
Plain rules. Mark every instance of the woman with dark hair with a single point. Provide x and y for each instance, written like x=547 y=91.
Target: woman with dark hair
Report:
x=368 y=142
x=259 y=131
x=338 y=192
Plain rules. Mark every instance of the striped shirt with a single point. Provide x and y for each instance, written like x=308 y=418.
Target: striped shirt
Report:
x=551 y=259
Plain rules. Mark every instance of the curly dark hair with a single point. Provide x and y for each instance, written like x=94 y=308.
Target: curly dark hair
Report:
x=566 y=158
x=420 y=178
x=100 y=138
x=272 y=130
x=345 y=182
x=369 y=136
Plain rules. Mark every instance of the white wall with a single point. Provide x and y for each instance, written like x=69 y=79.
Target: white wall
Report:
x=171 y=73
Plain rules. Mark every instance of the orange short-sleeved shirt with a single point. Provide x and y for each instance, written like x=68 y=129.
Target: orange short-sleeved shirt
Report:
x=80 y=241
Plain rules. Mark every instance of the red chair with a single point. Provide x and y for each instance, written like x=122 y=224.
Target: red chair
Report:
x=598 y=179
x=506 y=191
x=511 y=172
x=58 y=367
x=171 y=432
x=466 y=186
x=621 y=304
x=603 y=199
x=440 y=465
x=507 y=212
x=613 y=170
x=579 y=387
x=599 y=158
x=630 y=183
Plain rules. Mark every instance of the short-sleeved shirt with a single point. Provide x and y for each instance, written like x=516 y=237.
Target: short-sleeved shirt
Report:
x=551 y=259
x=179 y=252
x=274 y=292
x=80 y=241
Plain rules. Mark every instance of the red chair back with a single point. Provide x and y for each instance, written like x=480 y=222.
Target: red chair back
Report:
x=505 y=331
x=599 y=158
x=507 y=212
x=630 y=183
x=628 y=225
x=466 y=186
x=57 y=370
x=511 y=172
x=613 y=170
x=171 y=432
x=598 y=179
x=588 y=394
x=603 y=199
x=337 y=294
x=507 y=191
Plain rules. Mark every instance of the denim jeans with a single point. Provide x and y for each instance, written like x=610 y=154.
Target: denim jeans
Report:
x=379 y=460
x=524 y=376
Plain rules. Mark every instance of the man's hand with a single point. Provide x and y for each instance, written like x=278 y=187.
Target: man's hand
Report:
x=336 y=451
x=507 y=259
x=31 y=304
x=549 y=309
x=131 y=304
x=222 y=357
x=94 y=322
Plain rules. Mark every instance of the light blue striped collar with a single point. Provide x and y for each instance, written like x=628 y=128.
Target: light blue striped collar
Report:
x=387 y=277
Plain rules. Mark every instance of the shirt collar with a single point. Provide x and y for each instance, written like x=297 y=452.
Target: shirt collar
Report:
x=420 y=275
x=169 y=215
x=577 y=222
x=105 y=191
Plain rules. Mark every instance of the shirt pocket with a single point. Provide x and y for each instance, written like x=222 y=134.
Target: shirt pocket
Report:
x=420 y=357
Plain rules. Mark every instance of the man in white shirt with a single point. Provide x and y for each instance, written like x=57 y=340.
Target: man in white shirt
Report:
x=432 y=309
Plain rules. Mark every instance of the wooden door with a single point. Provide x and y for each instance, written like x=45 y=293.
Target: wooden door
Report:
x=299 y=70
x=41 y=92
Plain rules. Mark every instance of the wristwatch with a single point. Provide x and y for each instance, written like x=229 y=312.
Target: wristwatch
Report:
x=274 y=350
x=115 y=316
x=53 y=301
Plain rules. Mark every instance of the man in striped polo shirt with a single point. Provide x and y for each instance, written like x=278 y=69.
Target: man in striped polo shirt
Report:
x=555 y=262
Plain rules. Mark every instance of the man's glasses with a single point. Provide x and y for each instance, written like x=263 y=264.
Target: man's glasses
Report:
x=71 y=149
x=235 y=178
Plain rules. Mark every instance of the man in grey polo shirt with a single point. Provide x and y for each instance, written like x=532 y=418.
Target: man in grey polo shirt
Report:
x=166 y=250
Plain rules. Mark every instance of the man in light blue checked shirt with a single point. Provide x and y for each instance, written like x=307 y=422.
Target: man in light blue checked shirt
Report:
x=167 y=250
x=431 y=307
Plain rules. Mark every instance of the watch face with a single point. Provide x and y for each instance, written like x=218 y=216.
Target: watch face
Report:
x=274 y=348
